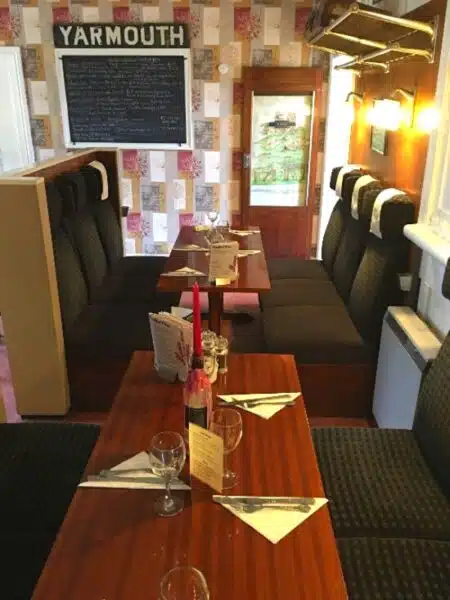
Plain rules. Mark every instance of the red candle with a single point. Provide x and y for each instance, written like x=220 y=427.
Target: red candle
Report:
x=197 y=320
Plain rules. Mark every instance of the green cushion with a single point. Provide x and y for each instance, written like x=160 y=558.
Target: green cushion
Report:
x=300 y=292
x=296 y=268
x=395 y=569
x=379 y=484
x=432 y=420
x=314 y=335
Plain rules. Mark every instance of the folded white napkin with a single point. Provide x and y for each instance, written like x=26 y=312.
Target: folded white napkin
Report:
x=266 y=411
x=140 y=462
x=242 y=253
x=272 y=523
x=180 y=312
x=191 y=248
x=184 y=272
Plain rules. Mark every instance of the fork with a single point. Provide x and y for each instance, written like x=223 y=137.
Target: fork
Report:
x=258 y=402
x=252 y=508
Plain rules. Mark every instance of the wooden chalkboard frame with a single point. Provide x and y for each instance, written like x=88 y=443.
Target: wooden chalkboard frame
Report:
x=185 y=52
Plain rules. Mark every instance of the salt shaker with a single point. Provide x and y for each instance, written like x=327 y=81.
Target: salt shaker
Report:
x=222 y=354
x=209 y=343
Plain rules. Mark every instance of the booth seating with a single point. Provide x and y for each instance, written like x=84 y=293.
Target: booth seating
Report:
x=104 y=297
x=41 y=466
x=293 y=268
x=332 y=326
x=389 y=493
x=333 y=289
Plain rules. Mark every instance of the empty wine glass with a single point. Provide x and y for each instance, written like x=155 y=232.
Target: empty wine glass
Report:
x=213 y=215
x=184 y=583
x=167 y=457
x=227 y=423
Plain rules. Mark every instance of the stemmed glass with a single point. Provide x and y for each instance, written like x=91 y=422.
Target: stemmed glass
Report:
x=213 y=215
x=184 y=583
x=227 y=423
x=167 y=457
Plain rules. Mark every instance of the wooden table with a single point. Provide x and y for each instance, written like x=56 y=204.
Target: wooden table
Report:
x=112 y=546
x=253 y=275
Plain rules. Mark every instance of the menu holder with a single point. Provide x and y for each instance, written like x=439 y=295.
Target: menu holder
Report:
x=172 y=343
x=223 y=263
x=206 y=456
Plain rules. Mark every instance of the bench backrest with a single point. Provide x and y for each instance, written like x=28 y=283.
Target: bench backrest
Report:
x=376 y=285
x=432 y=419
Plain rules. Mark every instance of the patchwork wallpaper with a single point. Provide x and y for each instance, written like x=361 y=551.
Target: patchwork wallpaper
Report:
x=166 y=189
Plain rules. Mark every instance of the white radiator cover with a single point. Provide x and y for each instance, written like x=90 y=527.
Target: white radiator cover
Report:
x=407 y=346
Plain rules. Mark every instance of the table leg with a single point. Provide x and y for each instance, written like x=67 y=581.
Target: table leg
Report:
x=215 y=311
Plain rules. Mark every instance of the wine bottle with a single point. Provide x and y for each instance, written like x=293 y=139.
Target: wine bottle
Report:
x=197 y=396
x=197 y=392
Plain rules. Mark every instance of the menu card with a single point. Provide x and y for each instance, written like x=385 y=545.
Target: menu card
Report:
x=223 y=261
x=172 y=344
x=206 y=456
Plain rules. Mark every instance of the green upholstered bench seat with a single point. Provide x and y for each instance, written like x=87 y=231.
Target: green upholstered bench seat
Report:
x=379 y=484
x=395 y=569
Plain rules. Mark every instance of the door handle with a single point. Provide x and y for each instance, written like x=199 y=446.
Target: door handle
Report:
x=246 y=160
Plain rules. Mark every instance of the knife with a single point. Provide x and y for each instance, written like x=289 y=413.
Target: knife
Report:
x=116 y=472
x=257 y=500
x=249 y=400
x=129 y=479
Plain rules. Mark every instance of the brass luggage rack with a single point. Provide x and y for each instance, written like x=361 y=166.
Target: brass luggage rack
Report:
x=387 y=39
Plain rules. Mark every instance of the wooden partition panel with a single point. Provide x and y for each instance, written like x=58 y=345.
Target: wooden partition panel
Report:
x=29 y=302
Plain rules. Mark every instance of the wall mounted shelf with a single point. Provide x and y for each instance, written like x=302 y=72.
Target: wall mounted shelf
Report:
x=381 y=41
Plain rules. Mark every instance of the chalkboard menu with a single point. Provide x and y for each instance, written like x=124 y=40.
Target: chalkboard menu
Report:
x=127 y=99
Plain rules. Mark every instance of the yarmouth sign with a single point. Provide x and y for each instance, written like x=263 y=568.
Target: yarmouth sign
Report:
x=121 y=35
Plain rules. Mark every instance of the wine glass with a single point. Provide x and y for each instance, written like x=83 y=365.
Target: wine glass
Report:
x=227 y=423
x=167 y=457
x=184 y=583
x=213 y=215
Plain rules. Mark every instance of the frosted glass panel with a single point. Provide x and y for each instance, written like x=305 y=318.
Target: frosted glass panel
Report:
x=281 y=139
x=16 y=150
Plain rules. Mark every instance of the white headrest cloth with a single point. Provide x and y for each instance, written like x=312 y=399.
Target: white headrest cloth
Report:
x=361 y=182
x=340 y=178
x=383 y=196
x=101 y=167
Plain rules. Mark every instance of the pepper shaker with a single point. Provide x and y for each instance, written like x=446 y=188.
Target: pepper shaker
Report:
x=222 y=354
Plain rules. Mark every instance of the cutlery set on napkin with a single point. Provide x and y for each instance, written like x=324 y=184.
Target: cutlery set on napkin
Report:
x=263 y=405
x=133 y=473
x=271 y=516
x=183 y=272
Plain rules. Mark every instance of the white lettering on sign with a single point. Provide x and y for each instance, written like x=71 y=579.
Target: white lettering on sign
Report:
x=80 y=36
x=176 y=36
x=96 y=36
x=150 y=40
x=162 y=32
x=113 y=36
x=65 y=30
x=131 y=35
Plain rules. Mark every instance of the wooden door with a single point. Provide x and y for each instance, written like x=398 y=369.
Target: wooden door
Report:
x=280 y=133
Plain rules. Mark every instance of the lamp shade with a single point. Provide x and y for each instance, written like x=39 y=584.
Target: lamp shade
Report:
x=386 y=114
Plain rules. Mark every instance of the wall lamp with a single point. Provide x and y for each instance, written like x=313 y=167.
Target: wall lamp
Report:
x=390 y=114
x=349 y=106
